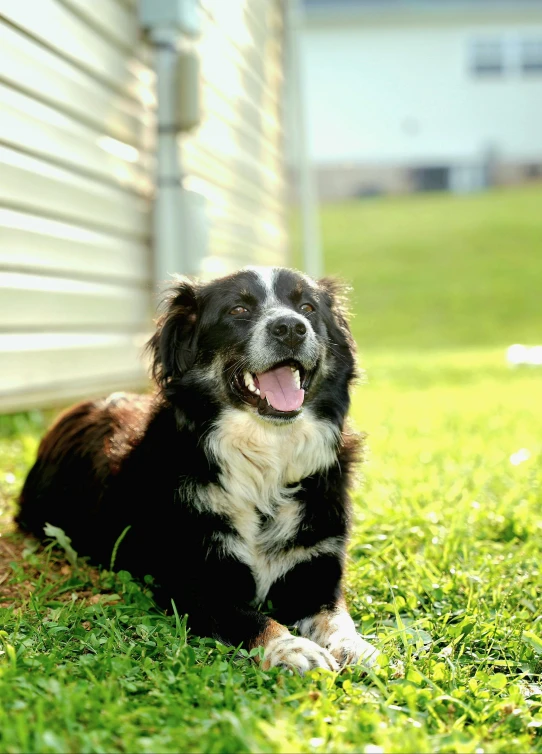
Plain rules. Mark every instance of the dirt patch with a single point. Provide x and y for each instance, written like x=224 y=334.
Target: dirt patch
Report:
x=12 y=589
x=27 y=566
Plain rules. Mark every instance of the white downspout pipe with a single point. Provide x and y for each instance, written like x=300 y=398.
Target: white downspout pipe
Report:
x=310 y=216
x=168 y=220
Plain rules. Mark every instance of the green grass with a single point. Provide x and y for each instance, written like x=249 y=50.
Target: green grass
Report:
x=444 y=564
x=438 y=270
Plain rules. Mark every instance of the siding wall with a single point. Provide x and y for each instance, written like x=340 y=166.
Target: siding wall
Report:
x=76 y=140
x=76 y=169
x=234 y=160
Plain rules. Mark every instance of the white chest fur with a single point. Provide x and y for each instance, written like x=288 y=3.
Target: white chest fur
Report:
x=258 y=460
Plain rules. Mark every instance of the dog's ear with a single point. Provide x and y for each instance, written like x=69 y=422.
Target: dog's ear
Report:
x=335 y=295
x=173 y=346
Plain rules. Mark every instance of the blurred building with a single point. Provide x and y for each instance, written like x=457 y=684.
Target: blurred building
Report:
x=77 y=166
x=406 y=95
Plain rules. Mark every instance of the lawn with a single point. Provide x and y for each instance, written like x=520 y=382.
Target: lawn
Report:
x=444 y=569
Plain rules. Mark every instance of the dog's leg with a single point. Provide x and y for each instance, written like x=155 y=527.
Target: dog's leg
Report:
x=292 y=652
x=236 y=625
x=334 y=629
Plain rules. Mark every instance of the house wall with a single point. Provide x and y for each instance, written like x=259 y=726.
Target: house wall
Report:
x=234 y=161
x=400 y=93
x=76 y=155
x=77 y=152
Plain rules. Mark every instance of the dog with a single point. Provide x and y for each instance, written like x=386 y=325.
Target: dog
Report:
x=229 y=485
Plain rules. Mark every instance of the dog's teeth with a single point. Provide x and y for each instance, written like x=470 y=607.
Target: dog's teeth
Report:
x=297 y=379
x=252 y=388
x=249 y=382
x=256 y=391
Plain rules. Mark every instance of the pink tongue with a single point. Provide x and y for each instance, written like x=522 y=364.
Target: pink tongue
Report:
x=278 y=386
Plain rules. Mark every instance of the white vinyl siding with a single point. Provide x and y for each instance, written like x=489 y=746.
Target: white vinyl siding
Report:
x=77 y=159
x=234 y=160
x=76 y=162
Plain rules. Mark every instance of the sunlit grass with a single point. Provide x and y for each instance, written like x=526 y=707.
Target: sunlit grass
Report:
x=439 y=270
x=444 y=568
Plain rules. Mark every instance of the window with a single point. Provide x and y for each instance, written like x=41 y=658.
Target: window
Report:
x=487 y=57
x=531 y=55
x=431 y=178
x=510 y=53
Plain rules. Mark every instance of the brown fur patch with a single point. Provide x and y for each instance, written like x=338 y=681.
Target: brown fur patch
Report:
x=128 y=417
x=105 y=430
x=321 y=626
x=272 y=631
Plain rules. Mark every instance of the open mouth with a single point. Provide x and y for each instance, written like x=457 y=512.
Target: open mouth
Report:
x=279 y=391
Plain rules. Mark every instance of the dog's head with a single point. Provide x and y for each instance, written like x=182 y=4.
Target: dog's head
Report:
x=270 y=341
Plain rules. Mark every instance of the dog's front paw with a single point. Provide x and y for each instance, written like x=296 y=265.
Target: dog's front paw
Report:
x=297 y=653
x=348 y=648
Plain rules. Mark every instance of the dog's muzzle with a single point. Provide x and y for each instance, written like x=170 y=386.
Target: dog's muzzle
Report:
x=282 y=356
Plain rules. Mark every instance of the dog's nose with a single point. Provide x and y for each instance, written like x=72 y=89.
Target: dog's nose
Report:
x=289 y=330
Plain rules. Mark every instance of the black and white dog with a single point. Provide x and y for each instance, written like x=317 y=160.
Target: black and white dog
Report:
x=234 y=477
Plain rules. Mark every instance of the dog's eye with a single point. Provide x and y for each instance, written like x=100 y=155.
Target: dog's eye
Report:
x=238 y=310
x=307 y=308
